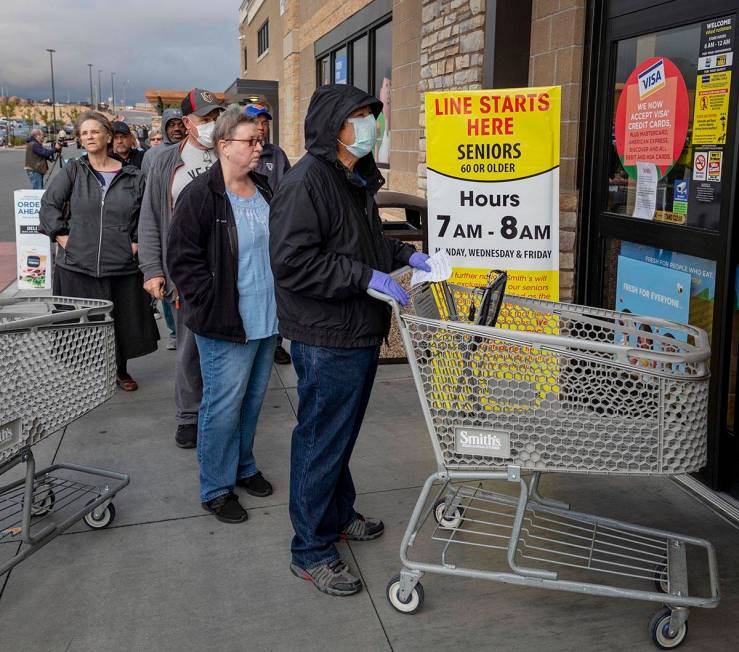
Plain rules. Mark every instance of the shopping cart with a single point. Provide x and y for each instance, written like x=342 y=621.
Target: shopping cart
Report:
x=57 y=363
x=553 y=387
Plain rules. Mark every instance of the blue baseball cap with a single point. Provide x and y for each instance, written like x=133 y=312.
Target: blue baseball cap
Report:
x=253 y=110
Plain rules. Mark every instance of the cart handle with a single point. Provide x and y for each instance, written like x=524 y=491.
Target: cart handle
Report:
x=380 y=296
x=81 y=314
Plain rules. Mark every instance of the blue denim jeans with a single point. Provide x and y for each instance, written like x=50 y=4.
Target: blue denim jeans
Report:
x=334 y=387
x=235 y=379
x=168 y=316
x=36 y=178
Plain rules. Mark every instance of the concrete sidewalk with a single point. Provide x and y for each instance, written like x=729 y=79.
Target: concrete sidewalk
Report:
x=168 y=576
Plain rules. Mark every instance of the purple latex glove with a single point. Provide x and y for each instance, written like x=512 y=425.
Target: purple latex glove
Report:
x=381 y=282
x=418 y=261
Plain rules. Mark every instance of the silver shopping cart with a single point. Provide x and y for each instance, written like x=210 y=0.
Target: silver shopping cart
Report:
x=57 y=362
x=511 y=388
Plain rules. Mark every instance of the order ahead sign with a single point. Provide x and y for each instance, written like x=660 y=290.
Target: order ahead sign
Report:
x=493 y=185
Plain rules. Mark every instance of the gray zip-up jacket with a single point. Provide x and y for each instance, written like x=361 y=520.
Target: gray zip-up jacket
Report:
x=100 y=230
x=156 y=214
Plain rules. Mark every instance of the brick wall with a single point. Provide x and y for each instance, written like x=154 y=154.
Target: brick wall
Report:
x=557 y=35
x=452 y=45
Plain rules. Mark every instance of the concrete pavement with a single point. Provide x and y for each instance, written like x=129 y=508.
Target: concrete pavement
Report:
x=168 y=576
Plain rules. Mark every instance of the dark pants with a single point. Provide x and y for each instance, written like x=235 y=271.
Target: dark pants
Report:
x=334 y=387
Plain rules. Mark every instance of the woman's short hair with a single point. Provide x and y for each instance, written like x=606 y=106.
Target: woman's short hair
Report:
x=93 y=115
x=155 y=132
x=229 y=120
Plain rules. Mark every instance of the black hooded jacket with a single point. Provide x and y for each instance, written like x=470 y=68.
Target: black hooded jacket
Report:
x=326 y=235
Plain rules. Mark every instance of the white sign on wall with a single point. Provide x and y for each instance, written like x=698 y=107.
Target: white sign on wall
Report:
x=33 y=250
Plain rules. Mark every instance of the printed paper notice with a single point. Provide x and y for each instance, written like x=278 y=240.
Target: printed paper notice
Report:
x=441 y=269
x=646 y=191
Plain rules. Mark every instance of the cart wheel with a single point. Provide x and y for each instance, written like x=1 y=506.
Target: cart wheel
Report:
x=106 y=518
x=451 y=522
x=43 y=500
x=660 y=582
x=659 y=628
x=412 y=604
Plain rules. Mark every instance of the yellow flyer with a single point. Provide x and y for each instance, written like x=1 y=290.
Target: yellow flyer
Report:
x=711 y=108
x=493 y=185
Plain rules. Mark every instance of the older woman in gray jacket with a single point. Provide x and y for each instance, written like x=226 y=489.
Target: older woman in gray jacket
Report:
x=91 y=209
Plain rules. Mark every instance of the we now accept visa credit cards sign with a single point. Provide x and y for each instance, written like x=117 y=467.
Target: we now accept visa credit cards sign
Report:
x=493 y=185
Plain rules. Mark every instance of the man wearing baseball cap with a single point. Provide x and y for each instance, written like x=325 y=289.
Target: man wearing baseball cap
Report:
x=169 y=173
x=123 y=145
x=273 y=164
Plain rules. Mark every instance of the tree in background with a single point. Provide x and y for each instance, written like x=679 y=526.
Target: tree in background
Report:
x=7 y=110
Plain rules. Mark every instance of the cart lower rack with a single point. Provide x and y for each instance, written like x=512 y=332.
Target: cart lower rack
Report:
x=553 y=387
x=58 y=363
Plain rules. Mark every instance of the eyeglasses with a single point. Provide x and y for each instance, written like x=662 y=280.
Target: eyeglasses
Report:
x=155 y=139
x=252 y=142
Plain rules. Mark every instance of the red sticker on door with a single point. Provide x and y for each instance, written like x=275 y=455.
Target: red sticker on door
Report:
x=652 y=116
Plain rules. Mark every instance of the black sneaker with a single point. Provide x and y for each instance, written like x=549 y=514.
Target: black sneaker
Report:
x=226 y=508
x=363 y=529
x=281 y=356
x=187 y=435
x=333 y=578
x=255 y=485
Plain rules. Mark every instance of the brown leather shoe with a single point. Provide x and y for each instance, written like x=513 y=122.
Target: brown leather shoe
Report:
x=126 y=383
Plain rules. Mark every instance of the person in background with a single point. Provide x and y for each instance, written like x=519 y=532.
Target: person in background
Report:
x=38 y=157
x=98 y=239
x=124 y=145
x=155 y=138
x=172 y=131
x=169 y=173
x=273 y=163
x=218 y=257
x=327 y=248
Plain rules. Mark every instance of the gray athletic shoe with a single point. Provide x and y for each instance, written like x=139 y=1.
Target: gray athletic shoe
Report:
x=333 y=578
x=363 y=529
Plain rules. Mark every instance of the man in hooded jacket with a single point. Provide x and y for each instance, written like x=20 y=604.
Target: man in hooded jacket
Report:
x=327 y=248
x=173 y=131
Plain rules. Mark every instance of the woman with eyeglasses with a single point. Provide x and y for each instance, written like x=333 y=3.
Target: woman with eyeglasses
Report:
x=218 y=257
x=155 y=137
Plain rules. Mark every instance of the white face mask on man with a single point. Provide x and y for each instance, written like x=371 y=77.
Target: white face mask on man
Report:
x=205 y=134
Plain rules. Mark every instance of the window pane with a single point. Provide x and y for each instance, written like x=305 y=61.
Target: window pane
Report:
x=341 y=72
x=360 y=63
x=325 y=70
x=652 y=273
x=656 y=132
x=382 y=86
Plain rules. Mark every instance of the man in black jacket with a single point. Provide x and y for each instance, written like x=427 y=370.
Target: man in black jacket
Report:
x=327 y=248
x=123 y=145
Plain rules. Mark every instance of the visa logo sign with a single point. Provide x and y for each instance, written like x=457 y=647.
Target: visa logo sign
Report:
x=652 y=79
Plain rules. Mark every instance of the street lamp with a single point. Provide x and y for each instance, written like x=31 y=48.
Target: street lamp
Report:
x=53 y=94
x=92 y=98
x=112 y=87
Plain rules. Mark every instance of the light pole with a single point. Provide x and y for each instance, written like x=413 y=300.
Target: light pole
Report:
x=100 y=91
x=53 y=93
x=92 y=98
x=112 y=88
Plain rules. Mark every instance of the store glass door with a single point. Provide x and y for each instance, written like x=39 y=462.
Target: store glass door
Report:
x=663 y=183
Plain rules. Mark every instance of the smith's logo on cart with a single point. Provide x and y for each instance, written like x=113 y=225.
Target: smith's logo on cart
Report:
x=652 y=79
x=486 y=443
x=10 y=434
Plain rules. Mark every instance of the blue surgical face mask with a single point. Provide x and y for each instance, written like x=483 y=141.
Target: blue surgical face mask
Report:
x=364 y=136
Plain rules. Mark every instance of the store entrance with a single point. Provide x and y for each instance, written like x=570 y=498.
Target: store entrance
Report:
x=659 y=189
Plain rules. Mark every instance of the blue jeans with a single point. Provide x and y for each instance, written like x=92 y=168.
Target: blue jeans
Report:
x=235 y=379
x=334 y=387
x=37 y=179
x=168 y=317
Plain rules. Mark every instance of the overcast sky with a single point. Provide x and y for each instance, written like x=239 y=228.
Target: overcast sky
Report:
x=150 y=43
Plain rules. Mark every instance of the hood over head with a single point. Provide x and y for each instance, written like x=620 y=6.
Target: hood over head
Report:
x=329 y=107
x=167 y=115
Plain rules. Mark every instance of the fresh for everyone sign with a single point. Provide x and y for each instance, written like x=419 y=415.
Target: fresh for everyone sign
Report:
x=493 y=185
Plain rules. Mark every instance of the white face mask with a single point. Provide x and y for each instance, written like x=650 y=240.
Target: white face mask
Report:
x=205 y=134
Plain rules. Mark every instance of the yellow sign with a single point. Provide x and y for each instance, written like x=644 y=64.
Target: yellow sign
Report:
x=493 y=185
x=711 y=108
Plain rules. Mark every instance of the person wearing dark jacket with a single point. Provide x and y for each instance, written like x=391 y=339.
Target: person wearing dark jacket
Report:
x=327 y=248
x=124 y=145
x=38 y=157
x=98 y=239
x=218 y=257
